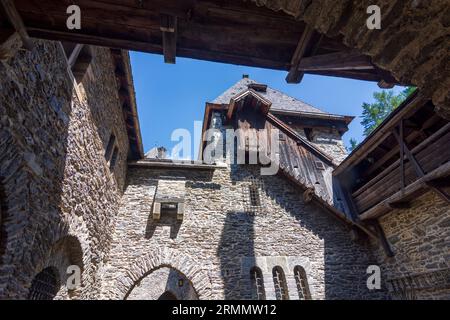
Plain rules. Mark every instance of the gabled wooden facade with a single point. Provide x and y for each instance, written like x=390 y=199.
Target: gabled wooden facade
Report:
x=406 y=156
x=299 y=160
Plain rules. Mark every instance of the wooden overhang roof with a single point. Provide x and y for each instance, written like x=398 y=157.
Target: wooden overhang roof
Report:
x=127 y=98
x=236 y=32
x=406 y=156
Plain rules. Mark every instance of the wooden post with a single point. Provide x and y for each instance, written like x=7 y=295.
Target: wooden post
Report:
x=418 y=169
x=16 y=21
x=382 y=238
x=294 y=75
x=169 y=37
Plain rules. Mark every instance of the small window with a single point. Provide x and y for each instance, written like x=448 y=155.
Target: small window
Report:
x=45 y=285
x=114 y=157
x=319 y=165
x=279 y=281
x=258 y=292
x=302 y=283
x=110 y=147
x=255 y=201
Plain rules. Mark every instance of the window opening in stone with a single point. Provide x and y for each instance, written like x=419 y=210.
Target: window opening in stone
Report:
x=279 y=281
x=302 y=283
x=258 y=291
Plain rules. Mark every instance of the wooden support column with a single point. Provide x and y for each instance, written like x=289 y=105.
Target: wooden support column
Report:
x=382 y=238
x=16 y=21
x=169 y=36
x=418 y=169
x=294 y=75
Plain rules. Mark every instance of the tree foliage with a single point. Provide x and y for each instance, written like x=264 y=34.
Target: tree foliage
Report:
x=374 y=113
x=385 y=102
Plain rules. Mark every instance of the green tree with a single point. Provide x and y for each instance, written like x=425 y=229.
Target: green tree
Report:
x=353 y=145
x=385 y=102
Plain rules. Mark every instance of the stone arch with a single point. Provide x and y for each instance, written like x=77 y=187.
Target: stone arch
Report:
x=156 y=259
x=64 y=252
x=162 y=283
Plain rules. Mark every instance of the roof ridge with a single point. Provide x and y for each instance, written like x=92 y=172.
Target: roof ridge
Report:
x=279 y=99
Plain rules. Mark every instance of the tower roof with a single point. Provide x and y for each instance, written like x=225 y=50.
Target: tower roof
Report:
x=280 y=101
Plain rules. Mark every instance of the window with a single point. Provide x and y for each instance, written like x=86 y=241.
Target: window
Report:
x=45 y=285
x=78 y=58
x=279 y=281
x=113 y=161
x=112 y=152
x=302 y=283
x=109 y=148
x=258 y=292
x=254 y=195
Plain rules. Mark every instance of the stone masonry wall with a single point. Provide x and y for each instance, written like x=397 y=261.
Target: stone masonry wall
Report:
x=218 y=241
x=57 y=188
x=327 y=140
x=420 y=238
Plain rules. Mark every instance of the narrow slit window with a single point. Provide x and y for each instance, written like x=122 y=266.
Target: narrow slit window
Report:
x=279 y=281
x=257 y=279
x=302 y=283
x=114 y=157
x=110 y=147
x=255 y=200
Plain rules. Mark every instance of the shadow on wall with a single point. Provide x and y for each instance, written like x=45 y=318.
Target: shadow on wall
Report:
x=49 y=152
x=236 y=242
x=338 y=264
x=33 y=154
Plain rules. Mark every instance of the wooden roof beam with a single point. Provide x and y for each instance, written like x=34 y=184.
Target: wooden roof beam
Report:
x=169 y=36
x=295 y=75
x=16 y=21
x=339 y=61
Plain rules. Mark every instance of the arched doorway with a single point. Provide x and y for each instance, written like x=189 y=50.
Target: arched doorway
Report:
x=164 y=283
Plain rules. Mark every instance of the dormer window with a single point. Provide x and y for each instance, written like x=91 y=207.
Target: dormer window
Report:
x=258 y=87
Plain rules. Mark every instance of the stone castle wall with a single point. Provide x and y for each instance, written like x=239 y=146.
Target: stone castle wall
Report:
x=218 y=240
x=420 y=239
x=58 y=196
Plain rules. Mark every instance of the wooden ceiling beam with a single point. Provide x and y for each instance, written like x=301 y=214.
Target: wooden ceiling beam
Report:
x=169 y=36
x=16 y=21
x=339 y=61
x=295 y=75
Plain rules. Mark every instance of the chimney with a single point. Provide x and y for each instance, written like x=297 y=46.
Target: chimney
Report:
x=245 y=76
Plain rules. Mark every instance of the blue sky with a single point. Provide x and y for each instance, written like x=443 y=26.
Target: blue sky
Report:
x=173 y=96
